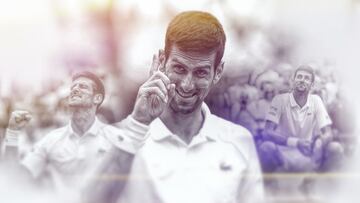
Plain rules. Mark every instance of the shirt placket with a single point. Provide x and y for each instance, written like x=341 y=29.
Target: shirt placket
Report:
x=296 y=118
x=185 y=176
x=182 y=149
x=80 y=152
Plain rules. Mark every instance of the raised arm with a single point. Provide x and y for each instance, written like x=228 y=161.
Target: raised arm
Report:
x=112 y=174
x=17 y=122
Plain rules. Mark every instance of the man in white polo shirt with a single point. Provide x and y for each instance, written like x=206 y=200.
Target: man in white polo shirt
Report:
x=191 y=154
x=297 y=132
x=70 y=153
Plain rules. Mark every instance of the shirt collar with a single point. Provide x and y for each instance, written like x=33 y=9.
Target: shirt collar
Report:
x=93 y=130
x=159 y=130
x=294 y=104
x=206 y=132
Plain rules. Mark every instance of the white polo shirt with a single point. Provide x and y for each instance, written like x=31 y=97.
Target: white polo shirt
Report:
x=219 y=165
x=70 y=158
x=294 y=121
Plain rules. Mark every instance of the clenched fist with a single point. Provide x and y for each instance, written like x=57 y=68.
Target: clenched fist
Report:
x=19 y=119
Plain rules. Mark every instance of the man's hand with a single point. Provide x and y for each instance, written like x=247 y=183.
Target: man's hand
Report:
x=19 y=119
x=320 y=143
x=304 y=147
x=318 y=150
x=154 y=94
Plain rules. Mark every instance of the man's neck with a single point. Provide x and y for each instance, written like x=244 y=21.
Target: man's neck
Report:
x=82 y=119
x=300 y=97
x=185 y=126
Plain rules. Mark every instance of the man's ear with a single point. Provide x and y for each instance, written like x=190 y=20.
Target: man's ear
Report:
x=98 y=98
x=218 y=72
x=312 y=83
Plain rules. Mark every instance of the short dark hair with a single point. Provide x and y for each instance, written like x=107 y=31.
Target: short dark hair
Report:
x=308 y=69
x=196 y=31
x=99 y=86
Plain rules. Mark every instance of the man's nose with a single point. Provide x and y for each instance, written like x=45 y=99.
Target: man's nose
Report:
x=187 y=84
x=75 y=89
x=300 y=79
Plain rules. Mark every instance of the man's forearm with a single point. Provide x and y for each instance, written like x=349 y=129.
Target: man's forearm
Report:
x=10 y=156
x=113 y=172
x=10 y=148
x=326 y=135
x=282 y=140
x=276 y=138
x=270 y=134
x=110 y=178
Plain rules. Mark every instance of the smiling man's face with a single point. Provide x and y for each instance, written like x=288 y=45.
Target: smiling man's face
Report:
x=303 y=81
x=194 y=75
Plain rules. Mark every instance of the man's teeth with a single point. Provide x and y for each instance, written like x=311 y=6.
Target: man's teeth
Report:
x=186 y=96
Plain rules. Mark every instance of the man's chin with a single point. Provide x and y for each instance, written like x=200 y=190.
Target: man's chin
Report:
x=183 y=109
x=302 y=90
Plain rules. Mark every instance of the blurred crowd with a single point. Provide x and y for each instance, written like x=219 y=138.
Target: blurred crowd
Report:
x=245 y=99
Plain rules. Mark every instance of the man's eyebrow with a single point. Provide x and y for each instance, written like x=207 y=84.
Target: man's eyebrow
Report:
x=78 y=83
x=204 y=67
x=177 y=61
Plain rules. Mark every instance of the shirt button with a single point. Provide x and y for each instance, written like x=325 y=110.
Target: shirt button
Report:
x=120 y=138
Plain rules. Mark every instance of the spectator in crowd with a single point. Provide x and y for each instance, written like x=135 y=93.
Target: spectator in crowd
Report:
x=285 y=72
x=239 y=96
x=342 y=113
x=258 y=108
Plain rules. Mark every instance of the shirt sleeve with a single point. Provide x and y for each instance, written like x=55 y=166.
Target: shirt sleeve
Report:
x=35 y=161
x=14 y=145
x=322 y=116
x=274 y=111
x=131 y=135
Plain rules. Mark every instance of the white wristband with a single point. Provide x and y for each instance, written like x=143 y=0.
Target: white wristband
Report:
x=138 y=128
x=292 y=141
x=12 y=137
